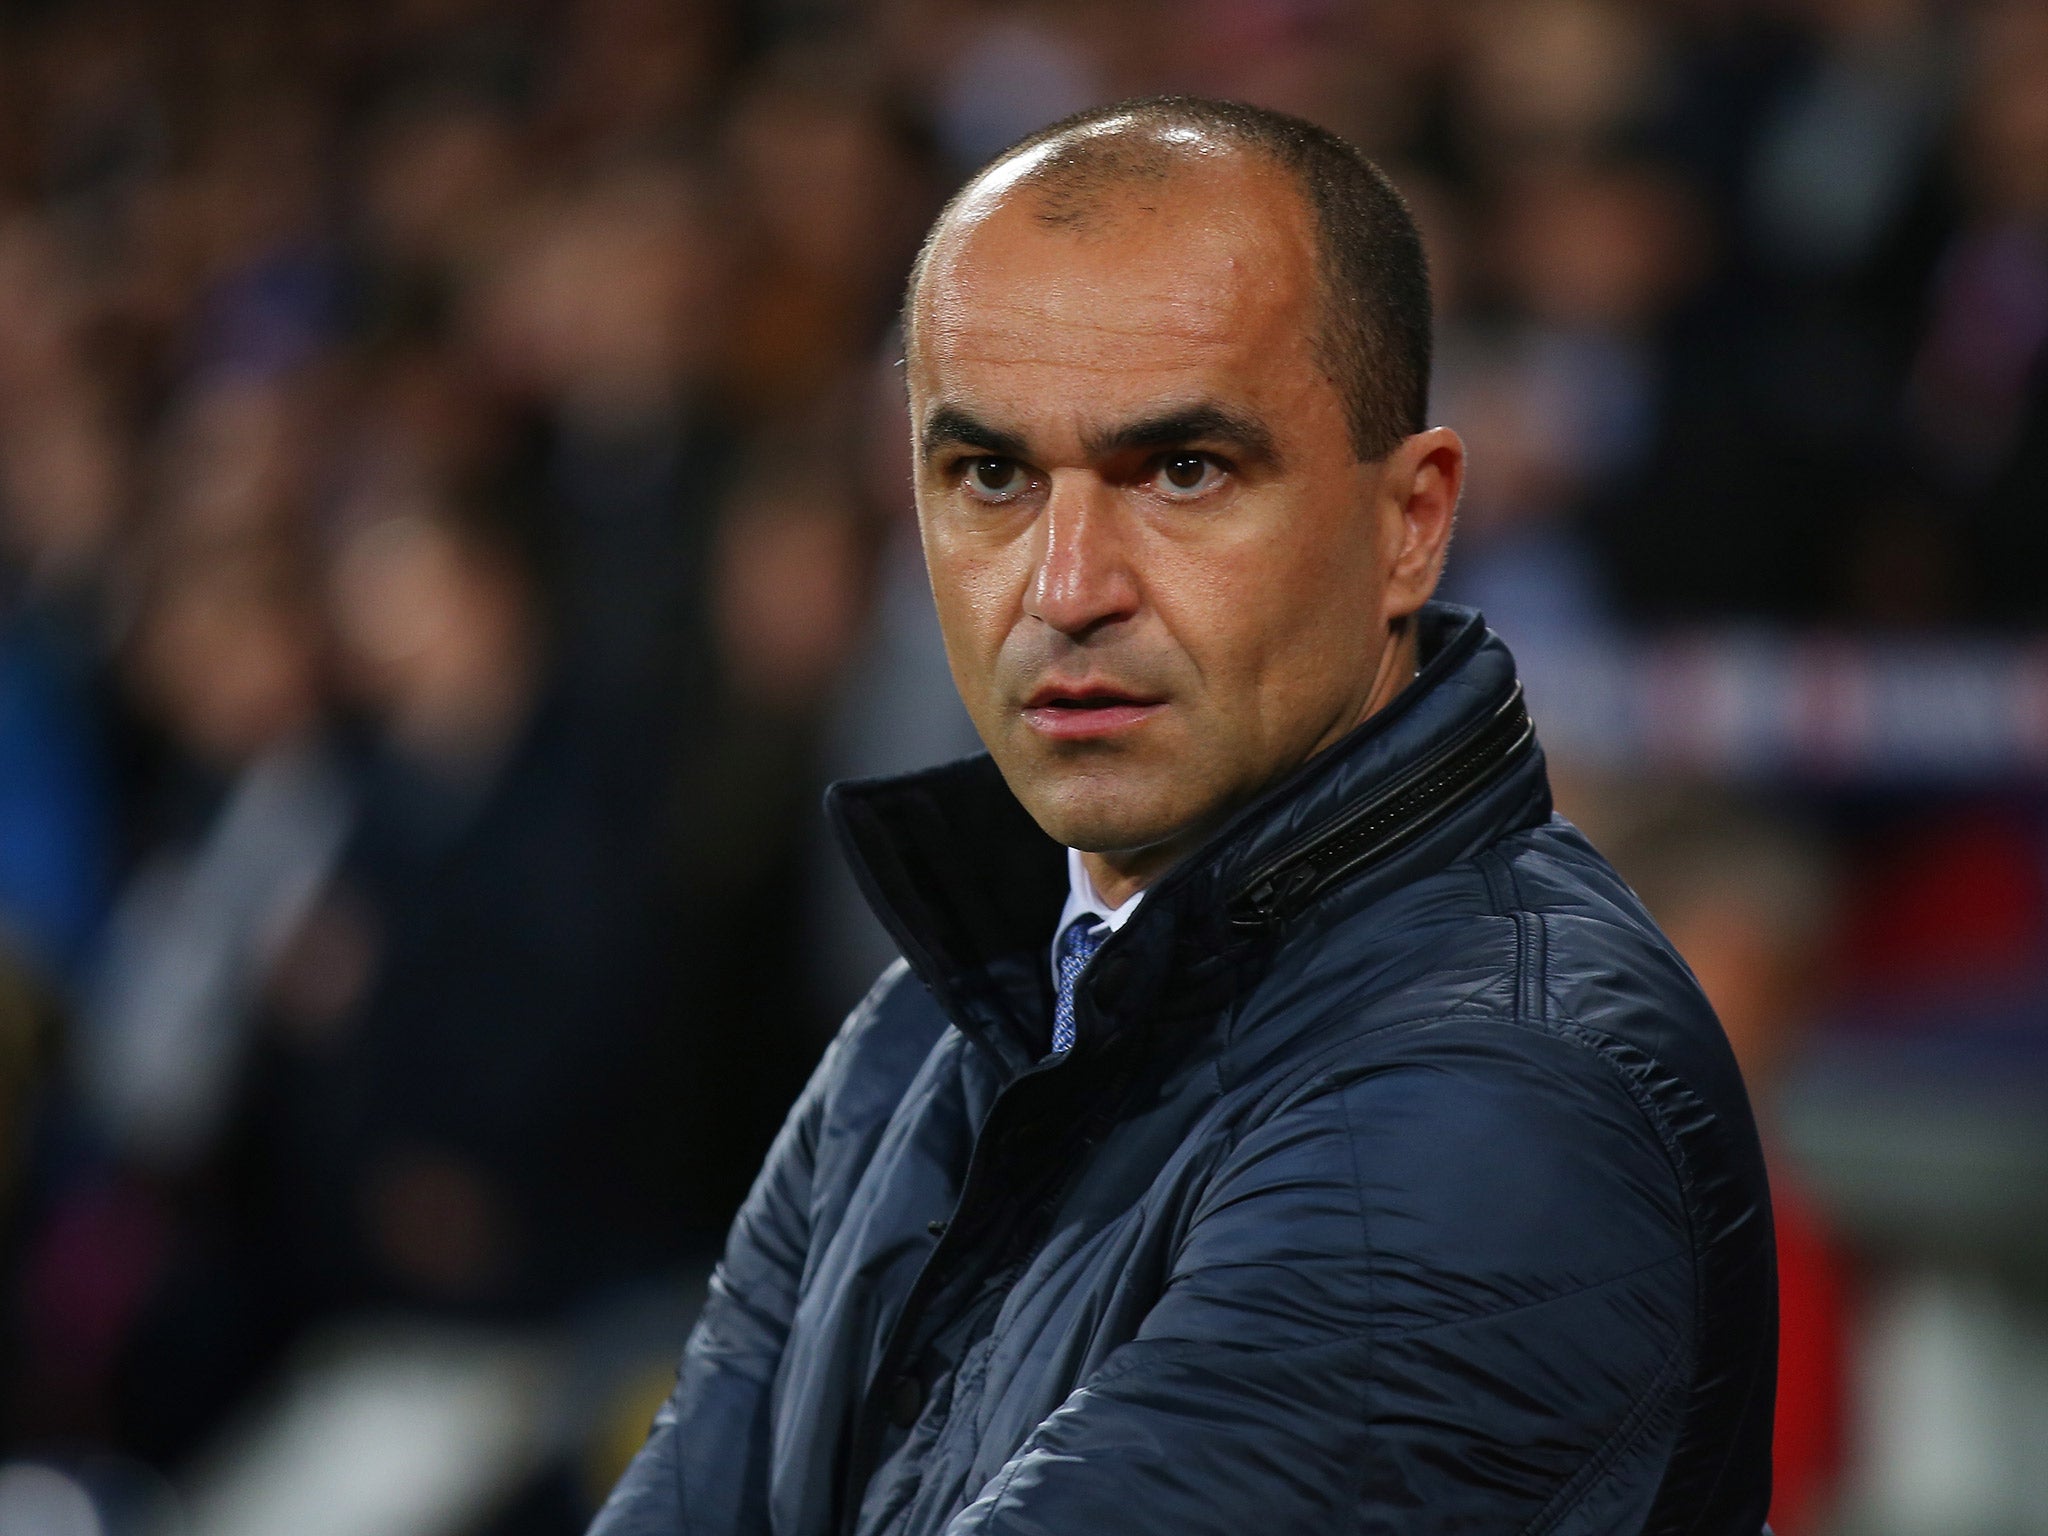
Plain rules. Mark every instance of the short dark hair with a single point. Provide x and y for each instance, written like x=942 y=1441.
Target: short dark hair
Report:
x=1375 y=337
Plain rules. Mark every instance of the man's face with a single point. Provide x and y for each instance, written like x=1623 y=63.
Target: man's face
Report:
x=1161 y=572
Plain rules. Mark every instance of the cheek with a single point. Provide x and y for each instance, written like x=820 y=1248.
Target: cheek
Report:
x=1242 y=597
x=975 y=590
x=1276 y=614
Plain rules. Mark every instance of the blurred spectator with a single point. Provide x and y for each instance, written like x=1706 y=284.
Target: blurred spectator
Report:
x=228 y=654
x=832 y=210
x=63 y=497
x=1842 y=154
x=894 y=708
x=1979 y=390
x=600 y=317
x=1007 y=70
x=140 y=1260
x=1552 y=84
x=1989 y=312
x=465 y=1017
x=791 y=574
x=637 y=75
x=1564 y=388
x=1749 y=902
x=55 y=818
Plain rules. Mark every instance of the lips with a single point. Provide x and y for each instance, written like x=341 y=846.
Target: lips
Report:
x=1087 y=711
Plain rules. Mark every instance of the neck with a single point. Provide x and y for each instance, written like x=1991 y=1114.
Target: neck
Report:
x=1117 y=877
x=1120 y=875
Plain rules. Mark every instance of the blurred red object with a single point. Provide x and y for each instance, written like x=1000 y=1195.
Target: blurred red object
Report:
x=1813 y=1354
x=1958 y=903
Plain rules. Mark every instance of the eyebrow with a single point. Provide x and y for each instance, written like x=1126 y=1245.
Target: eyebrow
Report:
x=952 y=427
x=1205 y=422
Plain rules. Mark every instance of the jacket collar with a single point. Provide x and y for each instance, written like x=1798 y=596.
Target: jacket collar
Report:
x=970 y=888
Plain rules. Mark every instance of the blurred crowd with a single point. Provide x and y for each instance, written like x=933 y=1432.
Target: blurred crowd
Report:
x=454 y=519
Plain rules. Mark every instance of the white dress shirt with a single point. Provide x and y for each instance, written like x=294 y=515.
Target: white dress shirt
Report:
x=1083 y=900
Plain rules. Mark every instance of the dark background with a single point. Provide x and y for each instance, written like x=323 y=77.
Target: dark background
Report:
x=454 y=520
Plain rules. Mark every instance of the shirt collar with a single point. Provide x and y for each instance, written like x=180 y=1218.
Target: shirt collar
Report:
x=1083 y=900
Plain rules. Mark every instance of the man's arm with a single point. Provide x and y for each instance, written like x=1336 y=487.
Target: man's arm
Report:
x=1456 y=1295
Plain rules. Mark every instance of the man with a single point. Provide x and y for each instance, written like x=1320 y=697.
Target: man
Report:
x=1282 y=1123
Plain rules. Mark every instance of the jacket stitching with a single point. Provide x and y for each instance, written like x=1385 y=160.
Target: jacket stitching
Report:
x=1599 y=1044
x=1525 y=944
x=1535 y=971
x=1602 y=1046
x=1007 y=1476
x=1531 y=956
x=1574 y=1492
x=1372 y=1354
x=1317 y=1081
x=1327 y=1085
x=1423 y=1329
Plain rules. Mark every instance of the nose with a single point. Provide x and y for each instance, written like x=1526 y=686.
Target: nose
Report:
x=1084 y=577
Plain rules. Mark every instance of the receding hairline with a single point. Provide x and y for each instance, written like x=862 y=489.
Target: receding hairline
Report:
x=1373 y=338
x=1124 y=151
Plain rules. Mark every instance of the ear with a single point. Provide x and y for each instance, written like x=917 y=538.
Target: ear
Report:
x=1423 y=477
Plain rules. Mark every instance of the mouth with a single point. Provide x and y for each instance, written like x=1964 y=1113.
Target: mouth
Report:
x=1087 y=711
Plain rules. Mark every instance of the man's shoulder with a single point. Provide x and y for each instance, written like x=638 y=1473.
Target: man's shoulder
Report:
x=884 y=1042
x=1535 y=929
x=1531 y=953
x=888 y=1039
x=1524 y=1000
x=1600 y=971
x=1554 y=871
x=1491 y=936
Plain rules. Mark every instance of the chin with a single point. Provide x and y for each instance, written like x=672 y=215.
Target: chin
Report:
x=1099 y=817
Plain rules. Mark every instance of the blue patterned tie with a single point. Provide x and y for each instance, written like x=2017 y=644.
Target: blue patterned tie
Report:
x=1077 y=947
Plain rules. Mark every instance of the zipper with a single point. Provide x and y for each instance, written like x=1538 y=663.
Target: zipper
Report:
x=1389 y=820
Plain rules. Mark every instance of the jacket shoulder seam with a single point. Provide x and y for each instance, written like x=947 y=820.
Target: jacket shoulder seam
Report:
x=1505 y=900
x=1599 y=1044
x=1532 y=964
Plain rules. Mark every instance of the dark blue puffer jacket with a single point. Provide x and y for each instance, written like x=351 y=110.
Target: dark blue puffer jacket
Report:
x=1400 y=1181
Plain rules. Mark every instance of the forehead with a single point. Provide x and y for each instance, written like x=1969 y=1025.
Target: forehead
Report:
x=1202 y=277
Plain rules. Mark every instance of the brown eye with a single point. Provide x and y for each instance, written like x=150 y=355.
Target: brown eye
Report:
x=993 y=479
x=1185 y=475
